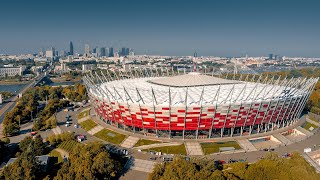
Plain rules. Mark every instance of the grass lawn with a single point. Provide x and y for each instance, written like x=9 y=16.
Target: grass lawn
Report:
x=68 y=145
x=142 y=142
x=88 y=124
x=110 y=136
x=180 y=149
x=209 y=148
x=56 y=154
x=83 y=114
x=308 y=125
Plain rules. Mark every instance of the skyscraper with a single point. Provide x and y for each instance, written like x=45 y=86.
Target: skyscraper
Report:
x=102 y=52
x=111 y=54
x=94 y=50
x=71 y=48
x=127 y=52
x=87 y=49
x=123 y=51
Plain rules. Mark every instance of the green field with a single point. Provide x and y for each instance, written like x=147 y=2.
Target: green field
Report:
x=110 y=136
x=56 y=154
x=142 y=142
x=308 y=125
x=180 y=149
x=83 y=114
x=88 y=124
x=209 y=148
x=68 y=145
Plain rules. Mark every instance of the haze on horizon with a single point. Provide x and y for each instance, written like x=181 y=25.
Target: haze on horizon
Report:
x=164 y=27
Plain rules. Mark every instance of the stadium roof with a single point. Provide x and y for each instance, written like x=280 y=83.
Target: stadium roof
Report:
x=191 y=79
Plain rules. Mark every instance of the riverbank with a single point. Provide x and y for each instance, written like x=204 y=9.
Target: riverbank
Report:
x=13 y=82
x=63 y=80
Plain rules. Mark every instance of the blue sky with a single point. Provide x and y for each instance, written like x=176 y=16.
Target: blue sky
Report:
x=166 y=27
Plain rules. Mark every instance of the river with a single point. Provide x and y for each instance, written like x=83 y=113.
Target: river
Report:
x=14 y=88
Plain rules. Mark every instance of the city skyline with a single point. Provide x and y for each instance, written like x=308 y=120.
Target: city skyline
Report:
x=227 y=28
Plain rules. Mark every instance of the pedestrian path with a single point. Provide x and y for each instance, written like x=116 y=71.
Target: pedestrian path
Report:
x=83 y=119
x=141 y=165
x=304 y=131
x=311 y=162
x=1 y=130
x=246 y=145
x=282 y=139
x=63 y=153
x=158 y=145
x=95 y=130
x=193 y=148
x=129 y=142
x=57 y=130
x=313 y=122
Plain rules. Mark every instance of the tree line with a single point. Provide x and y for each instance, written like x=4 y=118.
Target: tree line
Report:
x=91 y=161
x=271 y=167
x=27 y=106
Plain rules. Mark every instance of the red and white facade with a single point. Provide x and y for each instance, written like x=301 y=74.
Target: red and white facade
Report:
x=194 y=105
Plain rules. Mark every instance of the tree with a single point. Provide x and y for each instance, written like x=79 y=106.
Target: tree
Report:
x=24 y=167
x=11 y=129
x=90 y=162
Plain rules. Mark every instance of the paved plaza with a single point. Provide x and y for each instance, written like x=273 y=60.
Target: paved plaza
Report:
x=194 y=148
x=141 y=165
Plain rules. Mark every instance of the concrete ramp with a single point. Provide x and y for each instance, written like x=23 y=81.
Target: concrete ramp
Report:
x=56 y=130
x=194 y=148
x=129 y=142
x=95 y=130
x=246 y=145
x=83 y=119
x=304 y=131
x=158 y=145
x=282 y=139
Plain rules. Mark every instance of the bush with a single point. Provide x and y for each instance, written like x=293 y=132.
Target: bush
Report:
x=55 y=140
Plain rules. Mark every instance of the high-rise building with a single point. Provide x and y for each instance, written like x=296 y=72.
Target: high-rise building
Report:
x=54 y=51
x=270 y=56
x=71 y=48
x=94 y=50
x=111 y=54
x=87 y=49
x=127 y=52
x=102 y=51
x=123 y=51
x=195 y=54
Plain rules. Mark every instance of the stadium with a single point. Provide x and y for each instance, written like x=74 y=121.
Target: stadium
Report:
x=169 y=104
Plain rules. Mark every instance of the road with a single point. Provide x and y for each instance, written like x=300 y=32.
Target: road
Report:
x=13 y=100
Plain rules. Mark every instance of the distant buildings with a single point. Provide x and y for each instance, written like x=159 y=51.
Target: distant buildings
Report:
x=86 y=50
x=12 y=71
x=71 y=49
x=102 y=52
x=50 y=53
x=124 y=51
x=40 y=59
x=87 y=67
x=111 y=53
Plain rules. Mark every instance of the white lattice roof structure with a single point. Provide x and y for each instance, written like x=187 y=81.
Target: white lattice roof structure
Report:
x=194 y=89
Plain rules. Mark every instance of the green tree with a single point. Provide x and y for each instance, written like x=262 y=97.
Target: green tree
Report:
x=90 y=162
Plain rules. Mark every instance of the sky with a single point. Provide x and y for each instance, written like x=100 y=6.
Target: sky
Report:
x=164 y=27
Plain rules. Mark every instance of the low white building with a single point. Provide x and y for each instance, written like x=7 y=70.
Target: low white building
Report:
x=88 y=67
x=12 y=71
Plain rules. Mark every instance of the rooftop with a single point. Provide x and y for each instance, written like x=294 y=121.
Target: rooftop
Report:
x=191 y=80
